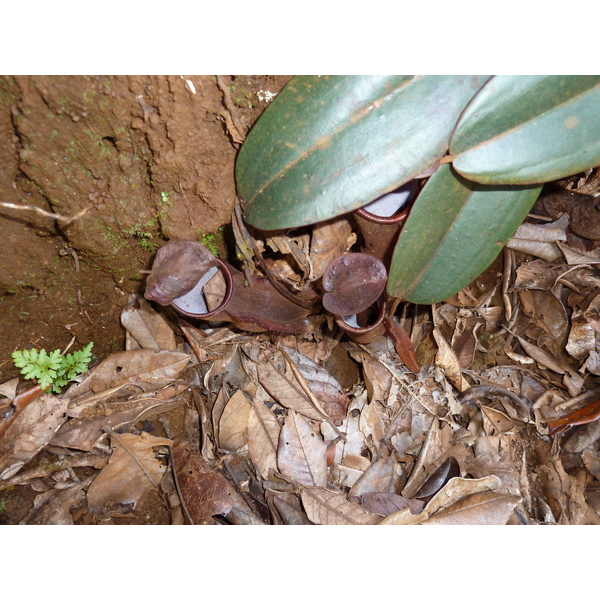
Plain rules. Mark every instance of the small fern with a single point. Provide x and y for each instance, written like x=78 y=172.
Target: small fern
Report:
x=52 y=369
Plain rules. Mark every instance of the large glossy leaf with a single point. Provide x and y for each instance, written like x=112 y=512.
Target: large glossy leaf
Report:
x=329 y=145
x=526 y=129
x=455 y=230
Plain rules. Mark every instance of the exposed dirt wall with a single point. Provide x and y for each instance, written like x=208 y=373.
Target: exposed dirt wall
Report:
x=151 y=158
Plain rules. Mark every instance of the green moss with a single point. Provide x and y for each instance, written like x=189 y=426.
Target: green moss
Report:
x=211 y=240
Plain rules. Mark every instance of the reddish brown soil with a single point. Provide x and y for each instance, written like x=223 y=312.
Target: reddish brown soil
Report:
x=151 y=158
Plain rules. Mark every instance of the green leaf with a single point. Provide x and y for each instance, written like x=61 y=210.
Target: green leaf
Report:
x=329 y=145
x=526 y=129
x=455 y=230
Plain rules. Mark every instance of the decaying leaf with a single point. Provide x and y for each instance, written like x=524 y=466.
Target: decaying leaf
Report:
x=59 y=505
x=133 y=470
x=323 y=385
x=446 y=359
x=203 y=491
x=330 y=508
x=483 y=508
x=381 y=477
x=233 y=424
x=31 y=431
x=301 y=454
x=146 y=327
x=276 y=377
x=263 y=438
x=330 y=239
x=384 y=504
x=91 y=419
x=155 y=368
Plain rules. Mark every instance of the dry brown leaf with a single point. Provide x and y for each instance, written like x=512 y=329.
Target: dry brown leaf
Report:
x=276 y=377
x=203 y=491
x=133 y=469
x=146 y=326
x=371 y=425
x=301 y=455
x=492 y=458
x=548 y=313
x=330 y=508
x=573 y=256
x=384 y=503
x=58 y=505
x=382 y=476
x=330 y=239
x=437 y=442
x=87 y=427
x=31 y=431
x=495 y=421
x=154 y=368
x=291 y=514
x=377 y=378
x=263 y=438
x=484 y=508
x=233 y=424
x=446 y=359
x=456 y=489
x=538 y=275
x=582 y=337
x=323 y=385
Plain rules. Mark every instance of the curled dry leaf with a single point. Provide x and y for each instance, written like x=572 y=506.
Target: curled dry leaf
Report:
x=446 y=359
x=330 y=508
x=133 y=470
x=203 y=491
x=587 y=414
x=301 y=454
x=402 y=343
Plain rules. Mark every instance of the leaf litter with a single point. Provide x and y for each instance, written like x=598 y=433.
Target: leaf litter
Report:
x=495 y=420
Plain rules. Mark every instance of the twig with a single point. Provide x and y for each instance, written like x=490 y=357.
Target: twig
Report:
x=45 y=213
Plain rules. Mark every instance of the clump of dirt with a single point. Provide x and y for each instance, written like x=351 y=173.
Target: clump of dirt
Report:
x=142 y=159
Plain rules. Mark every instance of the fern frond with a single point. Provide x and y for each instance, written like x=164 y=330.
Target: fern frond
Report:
x=52 y=369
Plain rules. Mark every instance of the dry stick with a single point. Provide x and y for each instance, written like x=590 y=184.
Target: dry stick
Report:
x=45 y=213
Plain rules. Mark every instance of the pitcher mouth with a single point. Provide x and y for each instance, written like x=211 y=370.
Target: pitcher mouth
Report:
x=393 y=207
x=192 y=303
x=342 y=320
x=394 y=219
